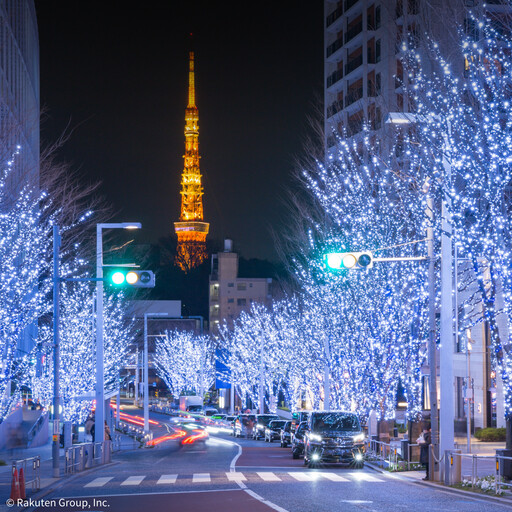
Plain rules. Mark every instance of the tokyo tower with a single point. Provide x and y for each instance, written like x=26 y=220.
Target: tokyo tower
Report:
x=191 y=230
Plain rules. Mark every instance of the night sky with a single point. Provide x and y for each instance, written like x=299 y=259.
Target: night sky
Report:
x=117 y=74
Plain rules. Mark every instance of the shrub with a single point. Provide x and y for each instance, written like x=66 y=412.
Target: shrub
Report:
x=491 y=434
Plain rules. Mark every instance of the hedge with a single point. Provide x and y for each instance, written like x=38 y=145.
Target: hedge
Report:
x=491 y=434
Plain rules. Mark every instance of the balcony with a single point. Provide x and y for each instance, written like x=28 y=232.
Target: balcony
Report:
x=334 y=16
x=353 y=95
x=353 y=64
x=353 y=31
x=334 y=46
x=334 y=77
x=334 y=108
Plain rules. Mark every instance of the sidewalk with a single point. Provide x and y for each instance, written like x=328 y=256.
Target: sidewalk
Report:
x=46 y=468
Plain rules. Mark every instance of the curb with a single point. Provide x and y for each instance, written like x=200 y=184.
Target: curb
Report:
x=442 y=487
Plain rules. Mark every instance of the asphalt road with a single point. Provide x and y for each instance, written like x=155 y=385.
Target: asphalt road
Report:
x=240 y=475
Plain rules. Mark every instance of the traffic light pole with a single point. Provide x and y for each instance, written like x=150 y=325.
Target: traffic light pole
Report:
x=56 y=355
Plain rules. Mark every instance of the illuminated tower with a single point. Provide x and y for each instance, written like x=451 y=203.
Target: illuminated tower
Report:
x=191 y=230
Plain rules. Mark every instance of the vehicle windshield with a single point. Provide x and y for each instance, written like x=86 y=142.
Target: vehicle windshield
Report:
x=335 y=421
x=277 y=424
x=264 y=420
x=195 y=408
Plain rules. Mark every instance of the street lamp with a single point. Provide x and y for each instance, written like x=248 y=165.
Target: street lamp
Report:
x=146 y=365
x=99 y=428
x=446 y=433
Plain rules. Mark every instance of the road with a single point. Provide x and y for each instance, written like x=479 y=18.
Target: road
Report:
x=240 y=475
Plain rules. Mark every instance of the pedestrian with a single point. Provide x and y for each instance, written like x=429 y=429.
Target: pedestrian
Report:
x=108 y=437
x=89 y=424
x=250 y=427
x=424 y=441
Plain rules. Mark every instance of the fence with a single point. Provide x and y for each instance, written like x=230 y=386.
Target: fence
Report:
x=35 y=476
x=454 y=473
x=85 y=455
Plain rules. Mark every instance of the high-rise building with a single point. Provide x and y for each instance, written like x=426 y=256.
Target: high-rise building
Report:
x=19 y=90
x=191 y=230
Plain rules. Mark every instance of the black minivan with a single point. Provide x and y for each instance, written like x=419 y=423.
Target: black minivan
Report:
x=334 y=436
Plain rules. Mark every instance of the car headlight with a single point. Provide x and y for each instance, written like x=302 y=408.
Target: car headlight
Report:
x=358 y=438
x=259 y=425
x=315 y=437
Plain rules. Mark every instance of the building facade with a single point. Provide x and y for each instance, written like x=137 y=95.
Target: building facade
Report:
x=19 y=89
x=230 y=294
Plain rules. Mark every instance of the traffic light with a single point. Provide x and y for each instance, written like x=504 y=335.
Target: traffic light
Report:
x=133 y=278
x=349 y=260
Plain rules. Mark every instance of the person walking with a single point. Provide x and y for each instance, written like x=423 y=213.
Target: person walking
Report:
x=108 y=437
x=424 y=441
x=89 y=424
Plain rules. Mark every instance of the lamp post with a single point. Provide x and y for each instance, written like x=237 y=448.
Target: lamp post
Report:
x=146 y=365
x=446 y=424
x=99 y=428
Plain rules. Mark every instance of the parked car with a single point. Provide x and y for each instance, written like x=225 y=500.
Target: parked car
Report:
x=285 y=436
x=298 y=440
x=262 y=420
x=334 y=436
x=240 y=424
x=273 y=430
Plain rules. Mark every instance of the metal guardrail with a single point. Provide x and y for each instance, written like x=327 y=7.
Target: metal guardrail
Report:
x=499 y=466
x=36 y=427
x=85 y=455
x=35 y=477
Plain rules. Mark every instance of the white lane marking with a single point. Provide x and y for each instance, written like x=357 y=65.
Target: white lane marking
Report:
x=268 y=476
x=199 y=478
x=236 y=476
x=365 y=477
x=333 y=477
x=244 y=487
x=99 y=482
x=133 y=480
x=266 y=502
x=356 y=502
x=167 y=479
x=303 y=477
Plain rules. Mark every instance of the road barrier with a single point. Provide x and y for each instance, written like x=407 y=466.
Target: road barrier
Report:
x=453 y=469
x=85 y=455
x=19 y=475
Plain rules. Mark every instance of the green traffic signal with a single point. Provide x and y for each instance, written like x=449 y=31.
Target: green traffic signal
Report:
x=349 y=260
x=132 y=278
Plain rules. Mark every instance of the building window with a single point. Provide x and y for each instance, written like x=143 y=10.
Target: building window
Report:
x=377 y=50
x=377 y=17
x=241 y=286
x=230 y=301
x=231 y=285
x=241 y=302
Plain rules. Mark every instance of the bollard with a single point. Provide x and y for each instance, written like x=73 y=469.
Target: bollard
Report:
x=456 y=469
x=89 y=452
x=447 y=466
x=404 y=448
x=107 y=452
x=505 y=465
